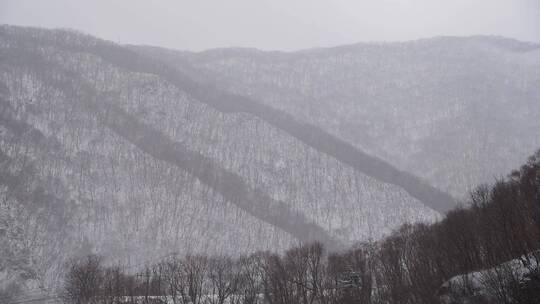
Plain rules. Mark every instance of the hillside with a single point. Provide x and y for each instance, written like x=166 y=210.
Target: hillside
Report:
x=487 y=252
x=455 y=111
x=108 y=151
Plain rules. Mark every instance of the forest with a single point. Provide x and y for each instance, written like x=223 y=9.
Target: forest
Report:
x=417 y=263
x=134 y=174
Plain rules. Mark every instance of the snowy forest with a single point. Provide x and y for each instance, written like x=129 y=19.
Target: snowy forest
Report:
x=488 y=252
x=396 y=173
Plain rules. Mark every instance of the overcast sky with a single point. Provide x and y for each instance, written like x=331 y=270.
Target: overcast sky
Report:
x=277 y=24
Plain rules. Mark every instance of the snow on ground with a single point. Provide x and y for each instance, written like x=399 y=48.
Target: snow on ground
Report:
x=491 y=285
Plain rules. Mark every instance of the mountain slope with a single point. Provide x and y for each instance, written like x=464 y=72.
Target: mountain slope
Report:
x=308 y=134
x=107 y=151
x=455 y=111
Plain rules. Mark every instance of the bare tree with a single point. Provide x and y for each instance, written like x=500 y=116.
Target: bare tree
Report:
x=250 y=279
x=224 y=278
x=84 y=281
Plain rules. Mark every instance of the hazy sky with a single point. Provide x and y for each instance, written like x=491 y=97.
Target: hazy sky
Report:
x=277 y=24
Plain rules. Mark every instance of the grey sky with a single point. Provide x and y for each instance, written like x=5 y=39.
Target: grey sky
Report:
x=277 y=24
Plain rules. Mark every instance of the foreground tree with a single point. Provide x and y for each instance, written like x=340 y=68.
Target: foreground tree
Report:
x=83 y=283
x=224 y=278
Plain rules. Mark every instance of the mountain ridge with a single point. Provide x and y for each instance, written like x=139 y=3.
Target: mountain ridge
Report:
x=501 y=40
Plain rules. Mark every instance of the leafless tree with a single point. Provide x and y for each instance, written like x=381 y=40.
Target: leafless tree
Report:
x=84 y=281
x=224 y=278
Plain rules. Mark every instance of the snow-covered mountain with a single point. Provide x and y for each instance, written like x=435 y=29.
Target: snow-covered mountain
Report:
x=136 y=153
x=456 y=112
x=108 y=151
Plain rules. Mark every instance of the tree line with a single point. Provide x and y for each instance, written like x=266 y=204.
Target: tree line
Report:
x=499 y=223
